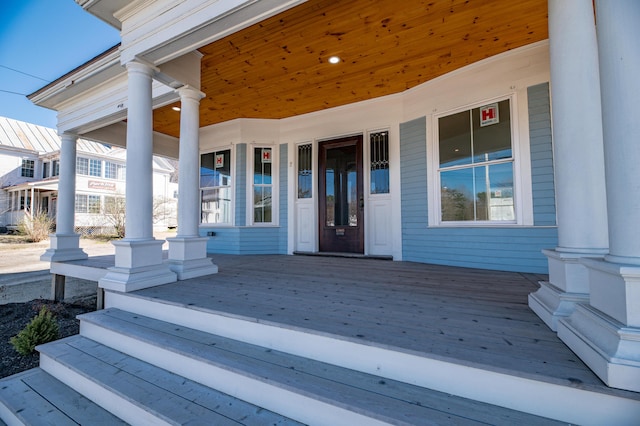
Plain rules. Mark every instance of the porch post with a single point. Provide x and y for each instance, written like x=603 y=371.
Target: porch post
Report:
x=605 y=332
x=139 y=262
x=188 y=251
x=65 y=243
x=578 y=154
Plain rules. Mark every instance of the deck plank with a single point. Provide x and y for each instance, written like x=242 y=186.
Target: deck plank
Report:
x=473 y=315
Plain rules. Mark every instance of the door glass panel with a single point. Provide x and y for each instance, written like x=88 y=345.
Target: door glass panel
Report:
x=341 y=187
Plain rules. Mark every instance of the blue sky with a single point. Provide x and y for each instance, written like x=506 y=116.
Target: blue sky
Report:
x=41 y=40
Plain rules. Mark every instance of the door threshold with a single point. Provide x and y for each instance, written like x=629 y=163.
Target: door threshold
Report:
x=341 y=254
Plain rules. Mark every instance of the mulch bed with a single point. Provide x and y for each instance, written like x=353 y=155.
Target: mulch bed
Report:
x=15 y=316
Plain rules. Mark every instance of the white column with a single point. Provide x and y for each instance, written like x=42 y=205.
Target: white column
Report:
x=578 y=158
x=139 y=262
x=605 y=333
x=188 y=251
x=65 y=243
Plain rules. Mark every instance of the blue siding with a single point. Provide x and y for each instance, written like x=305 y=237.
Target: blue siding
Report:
x=253 y=240
x=241 y=185
x=499 y=248
x=284 y=195
x=544 y=206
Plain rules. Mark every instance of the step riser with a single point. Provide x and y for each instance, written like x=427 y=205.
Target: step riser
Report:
x=253 y=390
x=122 y=407
x=529 y=396
x=9 y=417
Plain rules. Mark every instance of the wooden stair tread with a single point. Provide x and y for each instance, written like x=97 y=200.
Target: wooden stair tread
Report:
x=35 y=397
x=380 y=398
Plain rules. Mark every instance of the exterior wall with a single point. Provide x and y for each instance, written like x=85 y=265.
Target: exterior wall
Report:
x=521 y=75
x=10 y=174
x=544 y=196
x=499 y=248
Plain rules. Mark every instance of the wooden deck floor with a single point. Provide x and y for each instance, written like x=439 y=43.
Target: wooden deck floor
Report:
x=476 y=317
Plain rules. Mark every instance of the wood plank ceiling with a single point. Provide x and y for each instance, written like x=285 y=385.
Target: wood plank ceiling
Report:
x=279 y=67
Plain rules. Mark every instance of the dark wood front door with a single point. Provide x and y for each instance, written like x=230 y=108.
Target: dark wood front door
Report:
x=341 y=200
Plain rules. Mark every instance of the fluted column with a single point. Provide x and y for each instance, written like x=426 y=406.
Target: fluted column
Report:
x=605 y=332
x=65 y=243
x=138 y=261
x=578 y=158
x=188 y=251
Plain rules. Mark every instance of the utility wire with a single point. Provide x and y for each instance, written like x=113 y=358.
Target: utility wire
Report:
x=13 y=93
x=24 y=73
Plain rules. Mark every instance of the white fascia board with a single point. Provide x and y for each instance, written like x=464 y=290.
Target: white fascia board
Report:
x=161 y=30
x=77 y=82
x=106 y=104
x=104 y=10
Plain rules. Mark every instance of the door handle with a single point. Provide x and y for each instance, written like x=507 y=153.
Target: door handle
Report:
x=361 y=203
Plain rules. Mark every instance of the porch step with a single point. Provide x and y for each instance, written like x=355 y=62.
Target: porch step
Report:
x=309 y=391
x=35 y=397
x=138 y=392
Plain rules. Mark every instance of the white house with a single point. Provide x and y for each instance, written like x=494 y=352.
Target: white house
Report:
x=30 y=170
x=495 y=135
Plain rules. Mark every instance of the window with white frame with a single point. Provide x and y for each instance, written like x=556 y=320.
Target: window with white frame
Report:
x=263 y=185
x=89 y=167
x=114 y=171
x=45 y=169
x=88 y=204
x=28 y=168
x=55 y=168
x=215 y=187
x=476 y=165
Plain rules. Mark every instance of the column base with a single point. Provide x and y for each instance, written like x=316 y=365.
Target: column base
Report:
x=64 y=247
x=609 y=348
x=568 y=285
x=551 y=304
x=188 y=257
x=139 y=265
x=605 y=333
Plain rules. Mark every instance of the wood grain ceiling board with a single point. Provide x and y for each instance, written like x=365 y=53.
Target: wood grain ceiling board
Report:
x=278 y=68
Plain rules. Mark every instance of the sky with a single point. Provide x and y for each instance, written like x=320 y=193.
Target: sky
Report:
x=40 y=41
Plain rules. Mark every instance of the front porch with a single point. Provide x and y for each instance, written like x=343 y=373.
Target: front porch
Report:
x=462 y=338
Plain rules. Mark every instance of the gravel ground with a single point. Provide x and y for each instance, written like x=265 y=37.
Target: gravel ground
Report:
x=15 y=316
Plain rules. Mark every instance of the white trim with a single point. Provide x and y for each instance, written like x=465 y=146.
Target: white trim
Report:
x=520 y=159
x=275 y=181
x=232 y=187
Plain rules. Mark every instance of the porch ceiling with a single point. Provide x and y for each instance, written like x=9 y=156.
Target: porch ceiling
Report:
x=278 y=68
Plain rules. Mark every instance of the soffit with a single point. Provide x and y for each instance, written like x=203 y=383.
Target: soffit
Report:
x=278 y=68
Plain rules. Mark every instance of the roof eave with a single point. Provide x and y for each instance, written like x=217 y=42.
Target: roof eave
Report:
x=97 y=70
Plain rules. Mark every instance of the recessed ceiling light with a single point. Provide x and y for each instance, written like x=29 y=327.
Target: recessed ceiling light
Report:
x=334 y=59
x=175 y=108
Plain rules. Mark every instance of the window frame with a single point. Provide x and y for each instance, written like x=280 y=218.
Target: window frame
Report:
x=520 y=158
x=28 y=168
x=252 y=185
x=231 y=186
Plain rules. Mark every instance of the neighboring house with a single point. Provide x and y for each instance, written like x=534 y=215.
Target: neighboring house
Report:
x=471 y=134
x=30 y=170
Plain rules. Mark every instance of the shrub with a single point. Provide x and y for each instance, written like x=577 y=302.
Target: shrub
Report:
x=43 y=328
x=36 y=226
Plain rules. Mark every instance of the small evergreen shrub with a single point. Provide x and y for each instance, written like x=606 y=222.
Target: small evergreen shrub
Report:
x=43 y=328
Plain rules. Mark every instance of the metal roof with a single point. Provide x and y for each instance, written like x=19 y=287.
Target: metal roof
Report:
x=43 y=140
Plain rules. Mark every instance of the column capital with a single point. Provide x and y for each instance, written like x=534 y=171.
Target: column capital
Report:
x=190 y=92
x=138 y=66
x=68 y=136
